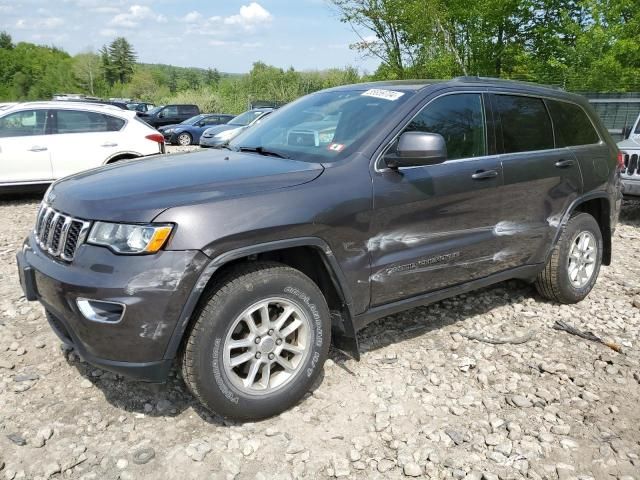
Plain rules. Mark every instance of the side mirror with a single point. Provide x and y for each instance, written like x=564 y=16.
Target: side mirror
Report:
x=417 y=149
x=626 y=132
x=161 y=115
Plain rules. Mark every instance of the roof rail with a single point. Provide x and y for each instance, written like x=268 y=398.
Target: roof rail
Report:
x=505 y=81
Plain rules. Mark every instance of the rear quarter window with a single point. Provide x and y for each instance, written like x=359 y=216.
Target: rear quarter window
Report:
x=526 y=125
x=188 y=110
x=572 y=125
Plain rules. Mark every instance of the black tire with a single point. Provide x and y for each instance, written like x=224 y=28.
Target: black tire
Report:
x=553 y=282
x=202 y=357
x=184 y=135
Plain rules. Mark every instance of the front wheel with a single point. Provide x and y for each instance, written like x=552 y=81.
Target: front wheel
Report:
x=184 y=139
x=259 y=342
x=574 y=264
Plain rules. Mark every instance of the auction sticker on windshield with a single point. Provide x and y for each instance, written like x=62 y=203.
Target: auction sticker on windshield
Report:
x=383 y=94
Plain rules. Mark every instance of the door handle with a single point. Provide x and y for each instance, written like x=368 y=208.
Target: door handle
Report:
x=37 y=148
x=109 y=145
x=484 y=174
x=564 y=163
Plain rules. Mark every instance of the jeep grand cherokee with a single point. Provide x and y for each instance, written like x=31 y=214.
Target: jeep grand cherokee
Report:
x=244 y=264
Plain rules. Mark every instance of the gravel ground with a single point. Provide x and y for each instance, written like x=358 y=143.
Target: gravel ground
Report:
x=424 y=401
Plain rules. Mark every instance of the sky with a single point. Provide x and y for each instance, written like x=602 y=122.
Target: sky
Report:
x=228 y=35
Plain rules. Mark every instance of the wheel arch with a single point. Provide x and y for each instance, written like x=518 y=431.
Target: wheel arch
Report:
x=116 y=157
x=598 y=206
x=310 y=255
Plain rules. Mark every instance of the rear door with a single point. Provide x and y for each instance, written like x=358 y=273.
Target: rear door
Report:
x=82 y=140
x=187 y=111
x=540 y=179
x=25 y=154
x=433 y=225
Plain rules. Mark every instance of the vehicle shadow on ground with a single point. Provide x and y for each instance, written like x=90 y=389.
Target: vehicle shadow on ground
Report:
x=173 y=398
x=169 y=399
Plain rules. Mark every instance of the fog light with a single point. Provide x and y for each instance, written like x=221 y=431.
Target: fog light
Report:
x=101 y=311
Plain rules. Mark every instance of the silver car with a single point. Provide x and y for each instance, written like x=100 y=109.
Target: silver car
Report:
x=221 y=135
x=630 y=151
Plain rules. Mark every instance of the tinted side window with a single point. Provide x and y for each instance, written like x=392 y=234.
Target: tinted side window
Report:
x=459 y=119
x=526 y=125
x=170 y=111
x=23 y=124
x=572 y=125
x=188 y=110
x=76 y=121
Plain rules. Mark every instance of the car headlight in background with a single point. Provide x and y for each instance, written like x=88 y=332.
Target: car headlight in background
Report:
x=168 y=130
x=226 y=135
x=130 y=239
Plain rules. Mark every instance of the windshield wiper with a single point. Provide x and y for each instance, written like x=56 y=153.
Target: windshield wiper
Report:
x=262 y=151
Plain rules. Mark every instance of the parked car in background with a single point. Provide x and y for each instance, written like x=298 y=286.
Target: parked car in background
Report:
x=246 y=264
x=169 y=114
x=43 y=141
x=189 y=131
x=141 y=107
x=222 y=134
x=630 y=153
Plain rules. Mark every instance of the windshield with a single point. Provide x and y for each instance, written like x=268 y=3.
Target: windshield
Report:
x=322 y=127
x=246 y=118
x=155 y=110
x=193 y=120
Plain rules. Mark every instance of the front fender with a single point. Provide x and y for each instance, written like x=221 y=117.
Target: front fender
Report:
x=348 y=341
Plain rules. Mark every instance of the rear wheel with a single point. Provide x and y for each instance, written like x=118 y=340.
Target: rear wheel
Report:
x=574 y=264
x=184 y=139
x=258 y=343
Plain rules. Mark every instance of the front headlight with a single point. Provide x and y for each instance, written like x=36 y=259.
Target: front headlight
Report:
x=226 y=135
x=168 y=130
x=129 y=239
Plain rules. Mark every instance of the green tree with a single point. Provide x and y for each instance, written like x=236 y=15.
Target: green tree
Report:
x=86 y=68
x=5 y=41
x=118 y=61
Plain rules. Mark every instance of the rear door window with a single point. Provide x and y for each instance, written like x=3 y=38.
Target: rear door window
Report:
x=23 y=124
x=526 y=125
x=78 y=121
x=572 y=125
x=459 y=118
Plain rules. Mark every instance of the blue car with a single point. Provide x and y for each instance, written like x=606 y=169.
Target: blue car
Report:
x=189 y=131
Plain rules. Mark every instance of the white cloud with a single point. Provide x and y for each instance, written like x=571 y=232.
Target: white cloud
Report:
x=135 y=16
x=47 y=23
x=108 y=32
x=105 y=9
x=192 y=17
x=250 y=16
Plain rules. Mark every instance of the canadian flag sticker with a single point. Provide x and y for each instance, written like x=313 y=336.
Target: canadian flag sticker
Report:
x=336 y=147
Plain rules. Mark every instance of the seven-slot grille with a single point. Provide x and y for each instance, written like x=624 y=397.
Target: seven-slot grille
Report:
x=631 y=166
x=59 y=235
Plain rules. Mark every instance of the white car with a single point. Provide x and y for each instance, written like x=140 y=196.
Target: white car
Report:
x=43 y=141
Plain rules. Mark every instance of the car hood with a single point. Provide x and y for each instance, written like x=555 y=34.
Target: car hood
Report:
x=221 y=128
x=632 y=143
x=139 y=190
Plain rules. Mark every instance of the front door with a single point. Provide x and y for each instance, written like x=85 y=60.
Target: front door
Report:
x=540 y=180
x=24 y=148
x=434 y=226
x=168 y=116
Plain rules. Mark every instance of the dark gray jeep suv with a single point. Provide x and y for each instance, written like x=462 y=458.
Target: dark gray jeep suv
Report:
x=345 y=206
